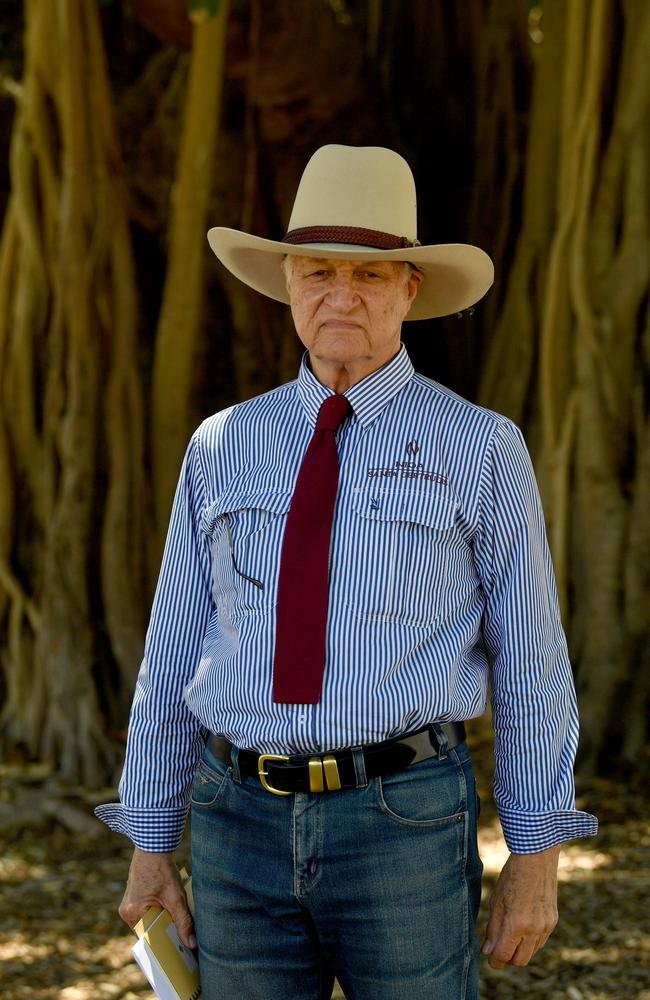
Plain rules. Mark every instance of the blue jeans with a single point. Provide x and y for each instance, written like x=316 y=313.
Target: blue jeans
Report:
x=377 y=885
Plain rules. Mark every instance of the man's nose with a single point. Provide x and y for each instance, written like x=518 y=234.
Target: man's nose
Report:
x=342 y=292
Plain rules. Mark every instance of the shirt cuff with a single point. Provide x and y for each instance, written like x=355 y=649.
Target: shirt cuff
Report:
x=529 y=833
x=155 y=830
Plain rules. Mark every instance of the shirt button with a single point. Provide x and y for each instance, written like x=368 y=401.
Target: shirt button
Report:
x=301 y=718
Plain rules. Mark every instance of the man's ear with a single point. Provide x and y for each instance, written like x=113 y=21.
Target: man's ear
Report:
x=413 y=283
x=286 y=266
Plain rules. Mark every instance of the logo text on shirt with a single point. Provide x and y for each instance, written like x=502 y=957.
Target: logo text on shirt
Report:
x=409 y=470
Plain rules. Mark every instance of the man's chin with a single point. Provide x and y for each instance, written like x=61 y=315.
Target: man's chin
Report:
x=339 y=326
x=341 y=342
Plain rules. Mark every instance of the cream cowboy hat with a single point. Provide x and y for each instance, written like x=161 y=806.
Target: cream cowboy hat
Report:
x=356 y=203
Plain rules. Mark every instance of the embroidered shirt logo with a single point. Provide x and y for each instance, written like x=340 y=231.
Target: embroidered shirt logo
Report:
x=409 y=469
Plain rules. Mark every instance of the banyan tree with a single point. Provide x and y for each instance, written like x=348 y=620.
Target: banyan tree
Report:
x=136 y=126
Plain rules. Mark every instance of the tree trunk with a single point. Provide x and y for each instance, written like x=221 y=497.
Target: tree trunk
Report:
x=67 y=309
x=578 y=299
x=180 y=318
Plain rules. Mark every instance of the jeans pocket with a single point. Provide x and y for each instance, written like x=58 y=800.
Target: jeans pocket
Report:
x=433 y=793
x=208 y=785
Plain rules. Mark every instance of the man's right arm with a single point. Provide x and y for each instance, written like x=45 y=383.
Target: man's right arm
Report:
x=164 y=738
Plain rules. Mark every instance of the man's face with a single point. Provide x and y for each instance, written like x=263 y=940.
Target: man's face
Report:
x=350 y=312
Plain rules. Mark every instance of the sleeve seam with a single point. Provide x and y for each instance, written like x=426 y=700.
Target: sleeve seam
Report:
x=201 y=468
x=487 y=457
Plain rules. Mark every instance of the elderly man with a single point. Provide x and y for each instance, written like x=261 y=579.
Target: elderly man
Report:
x=349 y=556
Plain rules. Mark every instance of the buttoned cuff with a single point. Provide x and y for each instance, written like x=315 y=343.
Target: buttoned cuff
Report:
x=155 y=830
x=529 y=833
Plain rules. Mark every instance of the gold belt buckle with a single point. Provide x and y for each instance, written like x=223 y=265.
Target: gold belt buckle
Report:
x=264 y=774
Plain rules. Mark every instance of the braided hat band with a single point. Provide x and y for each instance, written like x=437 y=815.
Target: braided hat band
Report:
x=374 y=238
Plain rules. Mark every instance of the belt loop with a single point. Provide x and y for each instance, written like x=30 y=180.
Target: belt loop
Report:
x=359 y=762
x=437 y=732
x=234 y=756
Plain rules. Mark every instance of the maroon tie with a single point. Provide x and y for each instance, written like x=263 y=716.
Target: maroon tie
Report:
x=302 y=588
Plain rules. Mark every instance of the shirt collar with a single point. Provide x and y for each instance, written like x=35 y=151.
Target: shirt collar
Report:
x=367 y=398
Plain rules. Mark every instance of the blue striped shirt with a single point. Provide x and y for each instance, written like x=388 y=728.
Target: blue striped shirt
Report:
x=439 y=567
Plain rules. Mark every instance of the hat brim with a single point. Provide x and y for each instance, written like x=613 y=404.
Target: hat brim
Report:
x=456 y=275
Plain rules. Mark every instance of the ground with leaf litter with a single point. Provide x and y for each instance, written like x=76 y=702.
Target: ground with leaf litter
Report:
x=62 y=876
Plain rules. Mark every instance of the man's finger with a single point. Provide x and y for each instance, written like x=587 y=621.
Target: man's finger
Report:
x=130 y=913
x=185 y=927
x=500 y=942
x=524 y=951
x=503 y=951
x=493 y=930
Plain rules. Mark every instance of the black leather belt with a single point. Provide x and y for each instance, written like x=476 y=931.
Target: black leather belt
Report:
x=284 y=774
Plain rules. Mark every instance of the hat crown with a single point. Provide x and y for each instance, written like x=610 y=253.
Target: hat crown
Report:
x=365 y=187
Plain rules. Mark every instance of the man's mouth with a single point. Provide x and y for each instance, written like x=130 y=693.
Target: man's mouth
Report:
x=345 y=324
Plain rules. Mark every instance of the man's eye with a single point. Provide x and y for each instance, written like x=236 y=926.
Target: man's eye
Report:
x=317 y=274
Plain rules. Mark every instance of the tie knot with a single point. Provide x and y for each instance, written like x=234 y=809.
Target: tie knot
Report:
x=332 y=413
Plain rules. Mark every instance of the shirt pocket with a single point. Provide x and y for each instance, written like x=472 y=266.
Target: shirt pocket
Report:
x=404 y=542
x=246 y=530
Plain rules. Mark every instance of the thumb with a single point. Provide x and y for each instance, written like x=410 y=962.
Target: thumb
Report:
x=493 y=933
x=178 y=910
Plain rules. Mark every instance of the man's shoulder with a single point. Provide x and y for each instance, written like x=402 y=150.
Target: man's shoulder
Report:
x=249 y=410
x=463 y=410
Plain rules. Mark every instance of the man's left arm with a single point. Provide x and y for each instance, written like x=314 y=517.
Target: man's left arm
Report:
x=533 y=703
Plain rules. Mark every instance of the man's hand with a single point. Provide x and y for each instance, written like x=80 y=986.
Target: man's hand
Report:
x=523 y=908
x=154 y=880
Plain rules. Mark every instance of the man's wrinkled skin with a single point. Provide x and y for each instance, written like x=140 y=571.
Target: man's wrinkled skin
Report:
x=348 y=314
x=154 y=880
x=523 y=908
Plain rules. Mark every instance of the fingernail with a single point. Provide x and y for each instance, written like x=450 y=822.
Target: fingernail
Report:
x=192 y=940
x=488 y=948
